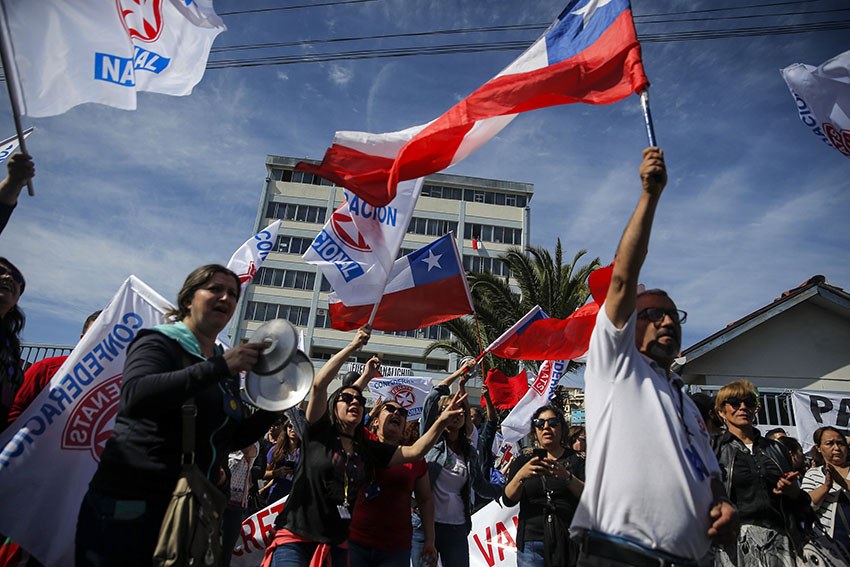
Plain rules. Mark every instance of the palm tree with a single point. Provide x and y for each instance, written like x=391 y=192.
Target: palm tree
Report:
x=544 y=280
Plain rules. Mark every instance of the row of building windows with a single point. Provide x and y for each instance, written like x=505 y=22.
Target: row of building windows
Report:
x=484 y=264
x=474 y=196
x=291 y=279
x=259 y=311
x=299 y=213
x=431 y=227
x=299 y=177
x=433 y=333
x=292 y=244
x=488 y=233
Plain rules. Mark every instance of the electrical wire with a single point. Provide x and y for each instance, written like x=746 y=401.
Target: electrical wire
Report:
x=317 y=5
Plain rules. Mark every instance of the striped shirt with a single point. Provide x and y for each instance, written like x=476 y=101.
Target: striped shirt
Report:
x=826 y=511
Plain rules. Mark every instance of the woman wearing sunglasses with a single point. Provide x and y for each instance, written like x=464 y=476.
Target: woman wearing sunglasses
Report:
x=11 y=324
x=381 y=530
x=827 y=484
x=759 y=481
x=337 y=458
x=547 y=492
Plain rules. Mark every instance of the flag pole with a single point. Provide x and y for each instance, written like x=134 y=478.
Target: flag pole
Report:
x=12 y=84
x=647 y=116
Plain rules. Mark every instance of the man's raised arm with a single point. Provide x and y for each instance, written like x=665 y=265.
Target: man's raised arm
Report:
x=620 y=302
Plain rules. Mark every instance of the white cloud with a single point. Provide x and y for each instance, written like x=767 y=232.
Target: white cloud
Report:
x=340 y=75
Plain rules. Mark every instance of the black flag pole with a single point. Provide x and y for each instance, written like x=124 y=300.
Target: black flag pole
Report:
x=12 y=83
x=647 y=116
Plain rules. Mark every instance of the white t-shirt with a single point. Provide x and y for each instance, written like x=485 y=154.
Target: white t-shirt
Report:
x=640 y=481
x=448 y=502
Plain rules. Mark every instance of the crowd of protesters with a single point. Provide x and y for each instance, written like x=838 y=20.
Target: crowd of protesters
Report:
x=656 y=478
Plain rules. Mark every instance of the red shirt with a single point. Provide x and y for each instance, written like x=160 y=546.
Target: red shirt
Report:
x=383 y=522
x=36 y=378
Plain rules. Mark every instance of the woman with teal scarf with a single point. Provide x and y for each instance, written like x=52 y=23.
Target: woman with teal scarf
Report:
x=167 y=365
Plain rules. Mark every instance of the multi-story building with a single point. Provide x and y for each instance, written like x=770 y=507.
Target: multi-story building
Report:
x=487 y=216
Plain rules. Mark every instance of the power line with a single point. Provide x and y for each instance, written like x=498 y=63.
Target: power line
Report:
x=708 y=10
x=317 y=5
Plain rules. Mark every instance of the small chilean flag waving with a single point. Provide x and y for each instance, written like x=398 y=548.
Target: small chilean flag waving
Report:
x=426 y=287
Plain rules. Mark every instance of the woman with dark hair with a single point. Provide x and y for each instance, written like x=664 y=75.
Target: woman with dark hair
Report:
x=167 y=367
x=12 y=319
x=337 y=458
x=828 y=483
x=547 y=491
x=759 y=481
x=282 y=460
x=381 y=530
x=454 y=471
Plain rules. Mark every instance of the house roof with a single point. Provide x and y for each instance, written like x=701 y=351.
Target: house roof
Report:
x=814 y=289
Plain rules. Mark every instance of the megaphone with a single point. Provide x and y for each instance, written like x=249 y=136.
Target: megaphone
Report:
x=283 y=375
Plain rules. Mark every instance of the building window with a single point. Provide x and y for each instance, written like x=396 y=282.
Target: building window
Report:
x=292 y=244
x=291 y=279
x=259 y=311
x=431 y=227
x=489 y=233
x=298 y=213
x=484 y=264
x=434 y=332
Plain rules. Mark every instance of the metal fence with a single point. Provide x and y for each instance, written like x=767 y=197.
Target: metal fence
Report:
x=32 y=353
x=774 y=406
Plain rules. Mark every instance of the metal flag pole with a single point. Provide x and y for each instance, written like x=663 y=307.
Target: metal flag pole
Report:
x=647 y=116
x=12 y=84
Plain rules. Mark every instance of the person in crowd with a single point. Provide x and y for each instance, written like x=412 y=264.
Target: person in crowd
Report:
x=705 y=403
x=760 y=481
x=381 y=529
x=12 y=320
x=488 y=429
x=256 y=501
x=795 y=452
x=776 y=434
x=577 y=442
x=166 y=366
x=239 y=463
x=827 y=484
x=20 y=169
x=547 y=492
x=337 y=458
x=282 y=460
x=39 y=375
x=455 y=471
x=652 y=488
x=477 y=417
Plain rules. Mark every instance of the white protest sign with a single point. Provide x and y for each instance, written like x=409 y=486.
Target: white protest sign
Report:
x=408 y=392
x=817 y=409
x=257 y=533
x=386 y=371
x=54 y=446
x=492 y=539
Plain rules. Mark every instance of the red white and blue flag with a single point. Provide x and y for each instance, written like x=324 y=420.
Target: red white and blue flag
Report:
x=589 y=54
x=426 y=287
x=68 y=53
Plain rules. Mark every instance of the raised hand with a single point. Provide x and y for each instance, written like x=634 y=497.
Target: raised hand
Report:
x=243 y=357
x=653 y=172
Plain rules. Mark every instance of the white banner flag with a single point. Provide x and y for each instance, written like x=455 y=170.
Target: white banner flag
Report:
x=823 y=99
x=518 y=423
x=10 y=145
x=250 y=256
x=67 y=52
x=357 y=247
x=408 y=392
x=816 y=409
x=52 y=450
x=257 y=533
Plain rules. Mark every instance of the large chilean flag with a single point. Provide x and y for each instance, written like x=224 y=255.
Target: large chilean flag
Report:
x=589 y=54
x=426 y=287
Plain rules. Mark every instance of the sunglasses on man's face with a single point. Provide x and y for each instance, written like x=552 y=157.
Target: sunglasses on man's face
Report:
x=348 y=398
x=393 y=409
x=656 y=314
x=750 y=401
x=540 y=423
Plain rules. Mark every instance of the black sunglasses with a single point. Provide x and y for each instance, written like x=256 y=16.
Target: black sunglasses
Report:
x=540 y=423
x=656 y=314
x=750 y=401
x=393 y=409
x=348 y=397
x=4 y=271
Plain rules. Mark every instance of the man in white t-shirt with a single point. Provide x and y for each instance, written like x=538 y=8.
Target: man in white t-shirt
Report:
x=653 y=494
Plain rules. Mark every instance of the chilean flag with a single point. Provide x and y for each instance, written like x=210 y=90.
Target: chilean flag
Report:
x=426 y=287
x=589 y=54
x=539 y=337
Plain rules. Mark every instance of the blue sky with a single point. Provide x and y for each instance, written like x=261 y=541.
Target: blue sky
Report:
x=755 y=204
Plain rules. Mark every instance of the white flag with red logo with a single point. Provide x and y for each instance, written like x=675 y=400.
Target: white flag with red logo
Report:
x=51 y=451
x=518 y=423
x=823 y=99
x=407 y=391
x=250 y=256
x=358 y=245
x=65 y=53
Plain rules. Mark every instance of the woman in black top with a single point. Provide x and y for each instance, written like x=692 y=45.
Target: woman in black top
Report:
x=336 y=457
x=122 y=512
x=759 y=481
x=547 y=493
x=11 y=324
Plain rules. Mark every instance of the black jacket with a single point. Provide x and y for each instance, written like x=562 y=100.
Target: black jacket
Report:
x=142 y=457
x=749 y=480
